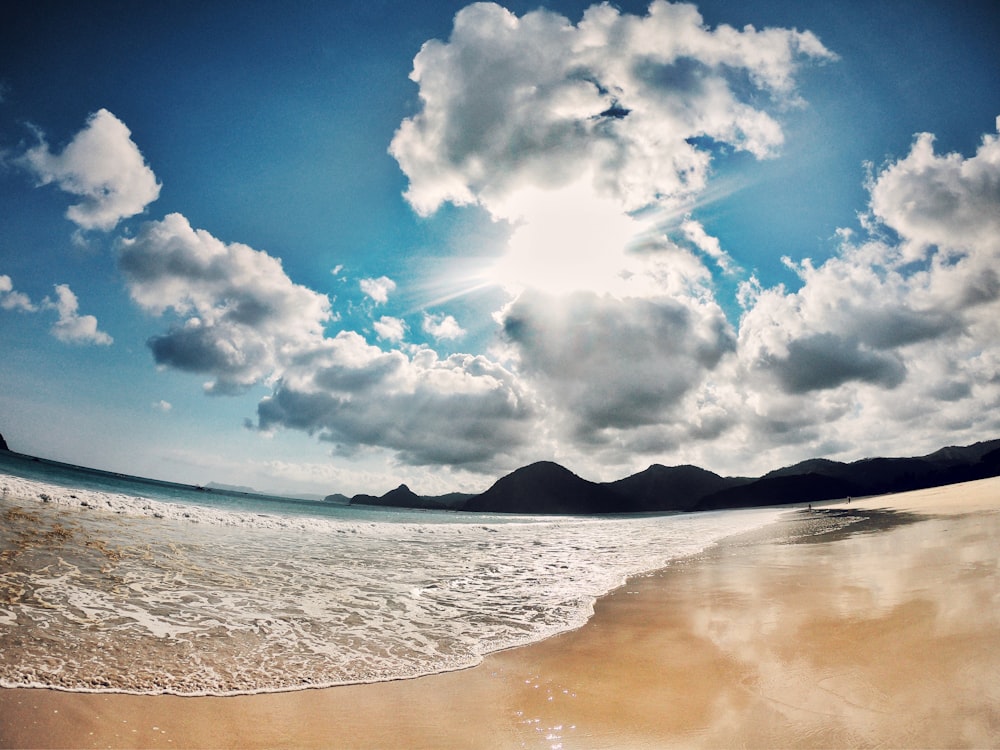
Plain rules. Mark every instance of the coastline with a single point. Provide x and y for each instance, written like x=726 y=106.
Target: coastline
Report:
x=882 y=634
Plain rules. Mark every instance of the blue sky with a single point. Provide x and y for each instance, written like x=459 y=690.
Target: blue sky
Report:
x=319 y=248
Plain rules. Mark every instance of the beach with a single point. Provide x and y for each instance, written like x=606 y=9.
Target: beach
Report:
x=883 y=634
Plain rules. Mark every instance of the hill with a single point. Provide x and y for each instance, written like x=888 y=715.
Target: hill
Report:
x=670 y=488
x=781 y=490
x=404 y=497
x=548 y=488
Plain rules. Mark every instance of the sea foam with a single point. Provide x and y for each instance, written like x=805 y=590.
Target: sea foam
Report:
x=105 y=591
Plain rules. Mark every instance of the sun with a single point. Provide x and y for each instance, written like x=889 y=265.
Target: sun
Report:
x=568 y=239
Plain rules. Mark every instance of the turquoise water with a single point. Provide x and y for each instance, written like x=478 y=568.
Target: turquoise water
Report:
x=70 y=476
x=111 y=583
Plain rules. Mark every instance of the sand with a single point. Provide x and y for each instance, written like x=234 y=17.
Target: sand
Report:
x=885 y=636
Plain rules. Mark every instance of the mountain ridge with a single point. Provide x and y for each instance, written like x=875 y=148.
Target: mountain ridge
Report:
x=547 y=488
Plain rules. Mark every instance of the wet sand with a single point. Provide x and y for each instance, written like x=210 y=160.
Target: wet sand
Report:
x=886 y=635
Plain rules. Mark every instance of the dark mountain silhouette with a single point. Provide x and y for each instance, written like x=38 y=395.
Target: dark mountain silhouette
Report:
x=548 y=488
x=3 y=445
x=781 y=490
x=337 y=499
x=546 y=485
x=453 y=500
x=404 y=497
x=957 y=455
x=876 y=476
x=670 y=487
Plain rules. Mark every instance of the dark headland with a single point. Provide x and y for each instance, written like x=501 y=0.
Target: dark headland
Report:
x=548 y=488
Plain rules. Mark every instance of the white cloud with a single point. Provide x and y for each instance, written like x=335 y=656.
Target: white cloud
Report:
x=509 y=102
x=946 y=201
x=378 y=289
x=11 y=299
x=101 y=165
x=164 y=406
x=873 y=303
x=71 y=327
x=566 y=130
x=887 y=341
x=241 y=319
x=442 y=327
x=708 y=244
x=388 y=328
x=463 y=410
x=603 y=363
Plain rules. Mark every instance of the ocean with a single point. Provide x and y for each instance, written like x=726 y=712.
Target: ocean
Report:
x=111 y=583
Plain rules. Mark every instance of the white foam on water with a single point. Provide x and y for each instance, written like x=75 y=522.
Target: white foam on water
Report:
x=145 y=596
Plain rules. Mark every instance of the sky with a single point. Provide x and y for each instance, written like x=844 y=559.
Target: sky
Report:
x=334 y=247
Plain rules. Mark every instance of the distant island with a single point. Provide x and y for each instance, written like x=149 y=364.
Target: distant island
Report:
x=3 y=445
x=231 y=488
x=548 y=488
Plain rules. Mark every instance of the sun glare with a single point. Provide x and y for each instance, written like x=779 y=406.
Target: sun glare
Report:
x=567 y=240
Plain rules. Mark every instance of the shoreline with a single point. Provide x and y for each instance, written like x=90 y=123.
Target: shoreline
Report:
x=296 y=620
x=761 y=640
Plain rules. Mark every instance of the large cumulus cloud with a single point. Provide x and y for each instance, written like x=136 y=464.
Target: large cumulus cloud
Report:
x=566 y=130
x=880 y=299
x=946 y=201
x=619 y=99
x=462 y=410
x=610 y=363
x=544 y=123
x=898 y=333
x=240 y=319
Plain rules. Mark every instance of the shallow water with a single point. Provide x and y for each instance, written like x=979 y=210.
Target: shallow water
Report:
x=111 y=591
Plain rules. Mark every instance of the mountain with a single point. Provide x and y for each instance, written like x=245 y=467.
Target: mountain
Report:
x=3 y=444
x=954 y=455
x=780 y=490
x=661 y=487
x=453 y=500
x=337 y=498
x=877 y=476
x=546 y=488
x=404 y=497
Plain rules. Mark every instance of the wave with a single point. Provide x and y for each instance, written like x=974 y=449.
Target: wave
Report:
x=114 y=592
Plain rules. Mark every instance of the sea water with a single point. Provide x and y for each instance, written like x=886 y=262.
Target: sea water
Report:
x=111 y=583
